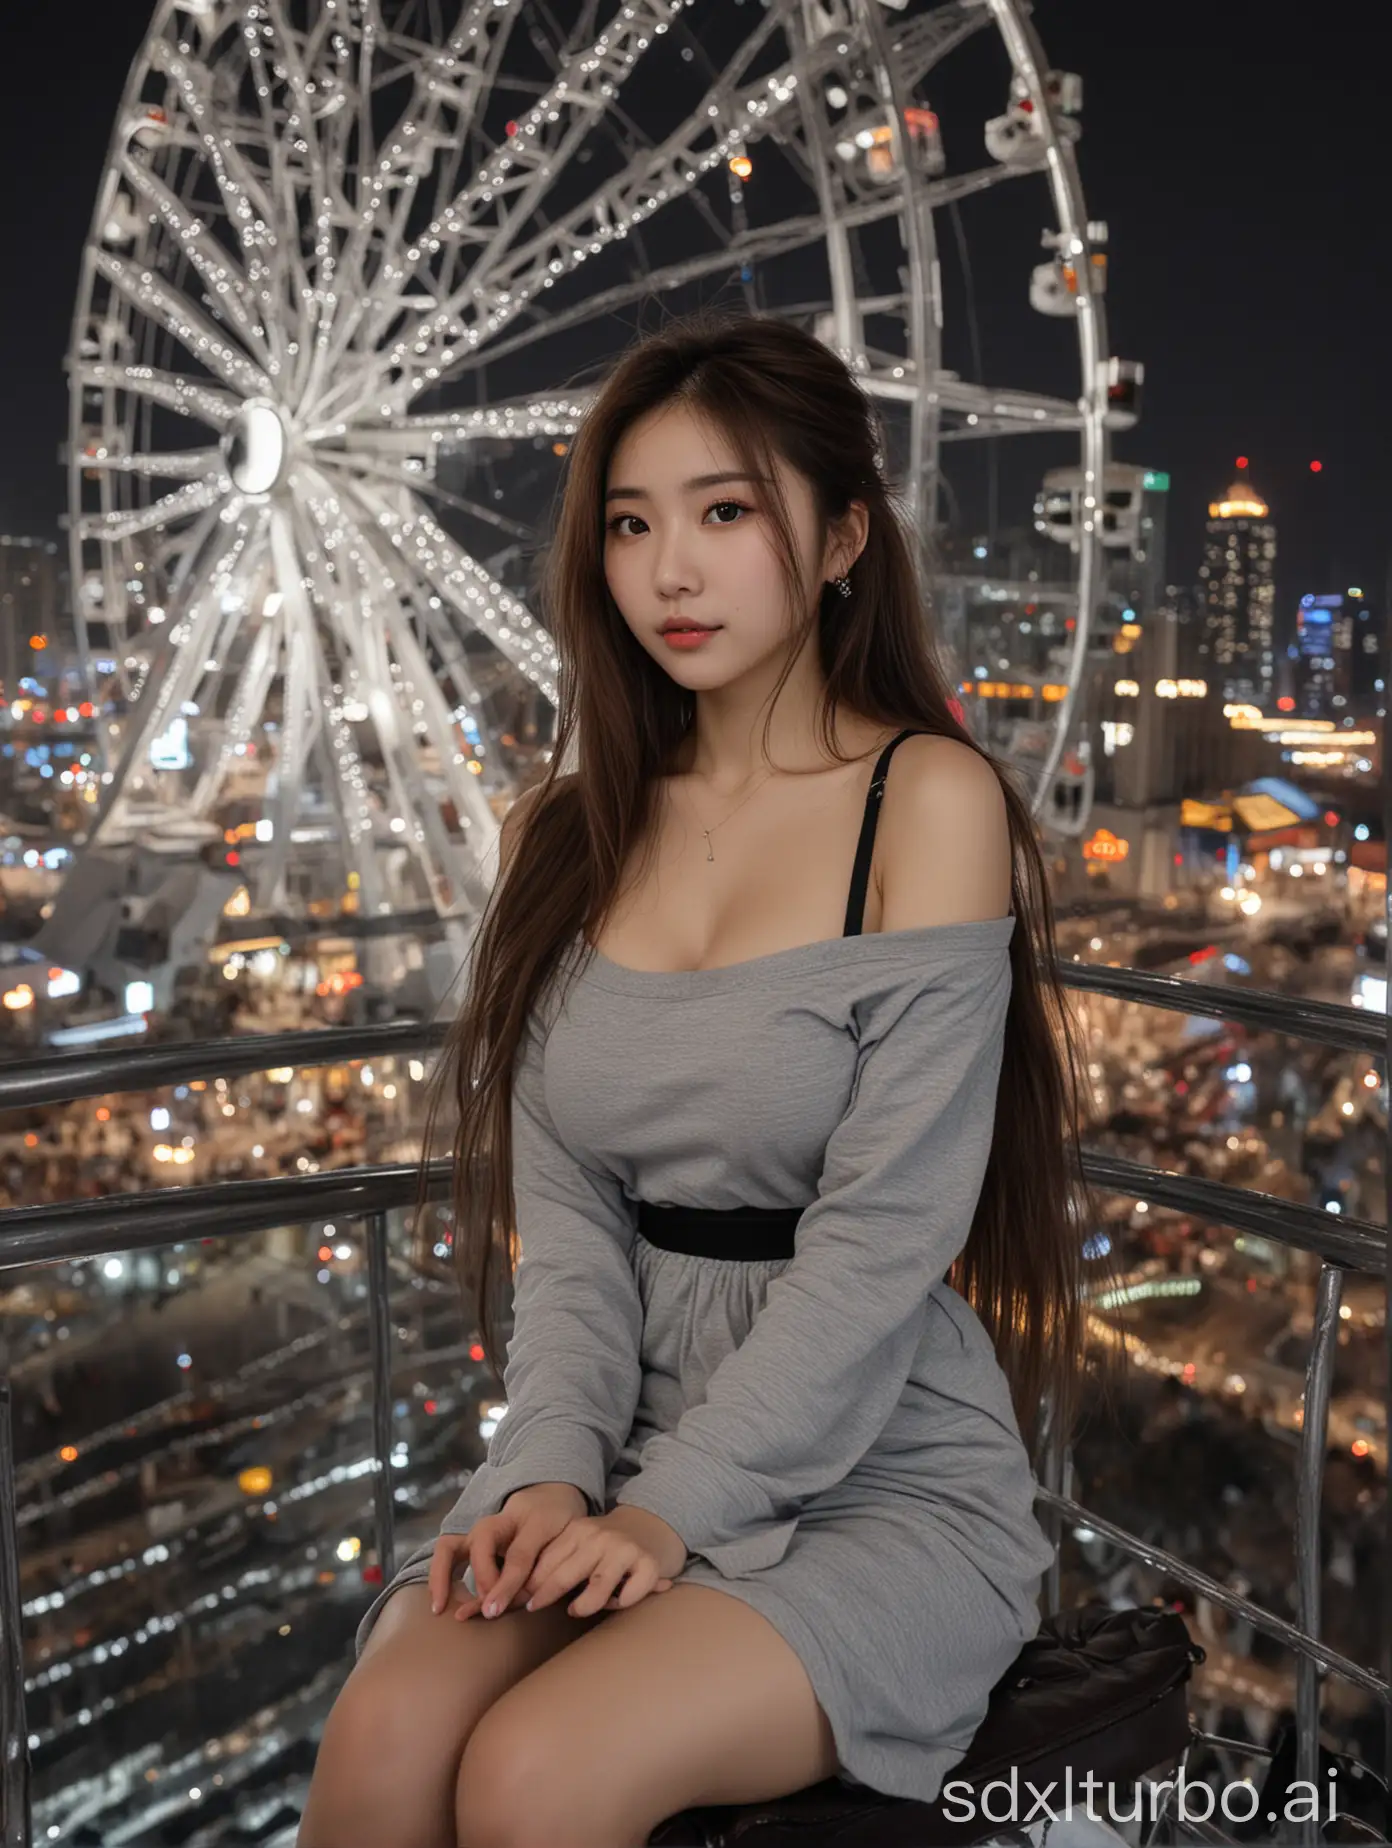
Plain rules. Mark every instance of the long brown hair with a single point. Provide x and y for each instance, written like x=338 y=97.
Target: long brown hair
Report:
x=773 y=390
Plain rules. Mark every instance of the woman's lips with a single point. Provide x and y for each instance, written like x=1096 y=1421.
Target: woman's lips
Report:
x=688 y=638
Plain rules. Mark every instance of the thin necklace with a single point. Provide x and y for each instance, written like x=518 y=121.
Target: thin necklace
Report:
x=710 y=856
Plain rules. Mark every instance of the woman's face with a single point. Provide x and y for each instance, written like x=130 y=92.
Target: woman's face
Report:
x=689 y=536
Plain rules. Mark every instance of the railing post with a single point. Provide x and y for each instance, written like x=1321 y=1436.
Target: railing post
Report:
x=379 y=1339
x=15 y=1817
x=1314 y=1441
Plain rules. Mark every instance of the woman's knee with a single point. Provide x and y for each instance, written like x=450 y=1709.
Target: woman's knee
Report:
x=390 y=1750
x=392 y=1744
x=383 y=1773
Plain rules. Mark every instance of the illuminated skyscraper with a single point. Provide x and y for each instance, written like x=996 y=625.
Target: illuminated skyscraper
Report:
x=1235 y=647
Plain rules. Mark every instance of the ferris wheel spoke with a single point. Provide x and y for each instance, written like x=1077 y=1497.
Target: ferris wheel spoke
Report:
x=987 y=411
x=249 y=208
x=507 y=183
x=169 y=683
x=126 y=522
x=222 y=276
x=583 y=85
x=344 y=772
x=670 y=172
x=363 y=465
x=466 y=70
x=172 y=465
x=301 y=708
x=471 y=591
x=248 y=702
x=503 y=421
x=404 y=702
x=473 y=315
x=299 y=181
x=759 y=245
x=189 y=397
x=514 y=181
x=149 y=294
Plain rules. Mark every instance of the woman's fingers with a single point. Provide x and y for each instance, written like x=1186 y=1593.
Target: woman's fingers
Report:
x=442 y=1564
x=483 y=1559
x=604 y=1580
x=518 y=1565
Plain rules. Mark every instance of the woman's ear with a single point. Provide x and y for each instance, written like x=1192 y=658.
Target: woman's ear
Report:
x=846 y=540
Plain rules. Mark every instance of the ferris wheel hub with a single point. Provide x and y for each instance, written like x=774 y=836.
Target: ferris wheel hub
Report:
x=256 y=447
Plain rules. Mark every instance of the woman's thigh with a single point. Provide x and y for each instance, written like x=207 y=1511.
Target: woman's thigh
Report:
x=392 y=1743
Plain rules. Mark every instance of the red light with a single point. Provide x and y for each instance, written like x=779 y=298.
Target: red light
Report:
x=233 y=858
x=1285 y=703
x=1242 y=461
x=430 y=1407
x=509 y=128
x=476 y=1351
x=325 y=1253
x=1331 y=819
x=372 y=1575
x=1315 y=467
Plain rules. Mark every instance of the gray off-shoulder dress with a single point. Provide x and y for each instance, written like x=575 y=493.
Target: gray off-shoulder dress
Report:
x=831 y=1434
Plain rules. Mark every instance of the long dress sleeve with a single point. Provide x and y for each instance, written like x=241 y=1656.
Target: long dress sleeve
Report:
x=572 y=1373
x=790 y=1411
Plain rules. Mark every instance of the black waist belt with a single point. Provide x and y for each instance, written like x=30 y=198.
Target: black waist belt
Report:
x=748 y=1232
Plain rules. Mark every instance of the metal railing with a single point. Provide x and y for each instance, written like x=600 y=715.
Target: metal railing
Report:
x=144 y=1221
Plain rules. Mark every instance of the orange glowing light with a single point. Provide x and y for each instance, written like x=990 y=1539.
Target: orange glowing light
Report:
x=741 y=166
x=38 y=641
x=68 y=1453
x=103 y=1114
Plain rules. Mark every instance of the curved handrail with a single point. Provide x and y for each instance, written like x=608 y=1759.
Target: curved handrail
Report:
x=32 y=1082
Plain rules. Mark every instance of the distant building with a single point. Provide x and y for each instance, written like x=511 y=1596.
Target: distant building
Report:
x=1322 y=653
x=31 y=607
x=1235 y=649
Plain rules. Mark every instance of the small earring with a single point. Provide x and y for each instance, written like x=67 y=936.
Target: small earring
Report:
x=842 y=585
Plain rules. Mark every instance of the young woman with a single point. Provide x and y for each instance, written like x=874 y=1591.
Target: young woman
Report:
x=764 y=1082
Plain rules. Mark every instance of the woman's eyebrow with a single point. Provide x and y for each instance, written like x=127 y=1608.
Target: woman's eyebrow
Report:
x=697 y=481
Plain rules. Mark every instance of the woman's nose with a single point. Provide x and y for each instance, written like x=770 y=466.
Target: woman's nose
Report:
x=675 y=573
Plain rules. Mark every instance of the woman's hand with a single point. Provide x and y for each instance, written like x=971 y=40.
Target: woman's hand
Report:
x=517 y=1533
x=595 y=1552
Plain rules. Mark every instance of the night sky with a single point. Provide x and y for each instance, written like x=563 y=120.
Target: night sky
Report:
x=1236 y=165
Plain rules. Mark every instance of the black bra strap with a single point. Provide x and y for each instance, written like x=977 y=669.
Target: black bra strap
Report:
x=860 y=877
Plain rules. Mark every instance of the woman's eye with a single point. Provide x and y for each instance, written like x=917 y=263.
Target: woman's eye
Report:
x=728 y=510
x=616 y=525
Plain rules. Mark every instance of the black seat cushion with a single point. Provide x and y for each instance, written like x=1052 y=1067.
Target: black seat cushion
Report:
x=1096 y=1690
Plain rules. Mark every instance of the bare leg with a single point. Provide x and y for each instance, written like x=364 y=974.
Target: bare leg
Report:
x=389 y=1758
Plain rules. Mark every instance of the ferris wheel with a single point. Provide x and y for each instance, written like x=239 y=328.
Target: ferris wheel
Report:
x=346 y=261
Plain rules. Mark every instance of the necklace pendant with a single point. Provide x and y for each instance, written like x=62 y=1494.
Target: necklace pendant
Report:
x=709 y=854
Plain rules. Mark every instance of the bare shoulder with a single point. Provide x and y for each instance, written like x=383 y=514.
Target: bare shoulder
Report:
x=947 y=855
